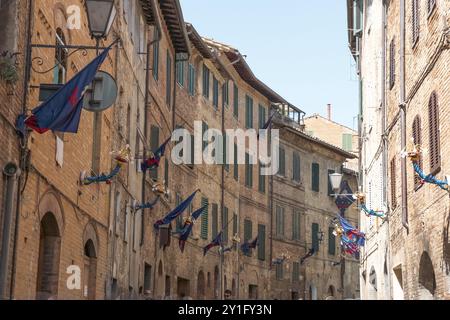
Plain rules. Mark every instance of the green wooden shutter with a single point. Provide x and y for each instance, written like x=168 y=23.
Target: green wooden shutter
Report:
x=168 y=79
x=331 y=242
x=261 y=181
x=179 y=224
x=235 y=224
x=248 y=171
x=225 y=153
x=204 y=225
x=225 y=224
x=262 y=116
x=347 y=144
x=248 y=112
x=279 y=271
x=315 y=177
x=192 y=151
x=330 y=187
x=236 y=166
x=261 y=242
x=215 y=221
x=295 y=272
x=235 y=100
x=215 y=93
x=166 y=173
x=296 y=225
x=296 y=167
x=155 y=68
x=154 y=145
x=315 y=236
x=180 y=72
x=248 y=232
x=205 y=81
x=282 y=169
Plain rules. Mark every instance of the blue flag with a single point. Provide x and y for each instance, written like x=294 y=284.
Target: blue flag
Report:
x=153 y=162
x=344 y=202
x=215 y=243
x=188 y=226
x=175 y=212
x=61 y=112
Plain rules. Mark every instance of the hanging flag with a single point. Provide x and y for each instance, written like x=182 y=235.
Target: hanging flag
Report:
x=267 y=124
x=309 y=254
x=215 y=243
x=375 y=213
x=61 y=112
x=188 y=226
x=175 y=212
x=148 y=205
x=444 y=185
x=352 y=233
x=344 y=202
x=103 y=177
x=246 y=247
x=153 y=162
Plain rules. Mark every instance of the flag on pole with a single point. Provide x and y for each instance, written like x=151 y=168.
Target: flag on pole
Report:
x=188 y=226
x=175 y=212
x=61 y=112
x=153 y=162
x=148 y=205
x=215 y=243
x=247 y=246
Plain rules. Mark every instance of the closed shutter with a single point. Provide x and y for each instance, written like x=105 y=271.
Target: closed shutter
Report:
x=205 y=81
x=330 y=187
x=179 y=221
x=261 y=181
x=417 y=137
x=191 y=165
x=248 y=231
x=225 y=94
x=191 y=77
x=180 y=72
x=296 y=225
x=262 y=116
x=392 y=64
x=215 y=93
x=415 y=23
x=154 y=145
x=204 y=225
x=295 y=272
x=393 y=183
x=168 y=79
x=204 y=129
x=248 y=172
x=155 y=68
x=236 y=166
x=315 y=236
x=279 y=271
x=282 y=169
x=215 y=222
x=315 y=173
x=225 y=224
x=433 y=118
x=225 y=153
x=347 y=143
x=296 y=167
x=235 y=224
x=166 y=173
x=331 y=242
x=248 y=112
x=279 y=221
x=235 y=101
x=261 y=242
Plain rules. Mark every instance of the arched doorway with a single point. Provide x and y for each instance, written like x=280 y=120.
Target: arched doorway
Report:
x=331 y=293
x=216 y=282
x=201 y=286
x=48 y=263
x=312 y=292
x=427 y=280
x=373 y=289
x=90 y=270
x=160 y=282
x=233 y=288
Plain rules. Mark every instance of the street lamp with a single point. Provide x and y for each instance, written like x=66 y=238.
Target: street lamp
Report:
x=101 y=14
x=335 y=180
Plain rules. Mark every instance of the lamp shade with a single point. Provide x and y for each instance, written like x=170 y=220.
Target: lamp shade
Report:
x=335 y=180
x=101 y=14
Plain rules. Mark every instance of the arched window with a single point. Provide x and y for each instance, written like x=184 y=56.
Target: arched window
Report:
x=417 y=139
x=216 y=282
x=201 y=286
x=59 y=73
x=427 y=280
x=48 y=265
x=434 y=134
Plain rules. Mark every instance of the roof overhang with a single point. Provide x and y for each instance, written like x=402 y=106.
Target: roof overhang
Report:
x=350 y=27
x=148 y=6
x=198 y=42
x=173 y=16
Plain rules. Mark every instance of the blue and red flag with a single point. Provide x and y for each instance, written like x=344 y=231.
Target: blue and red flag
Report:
x=344 y=202
x=188 y=226
x=153 y=162
x=215 y=243
x=247 y=246
x=308 y=255
x=148 y=205
x=61 y=112
x=175 y=212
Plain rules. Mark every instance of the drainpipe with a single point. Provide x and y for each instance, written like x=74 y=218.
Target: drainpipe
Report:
x=11 y=172
x=403 y=117
x=222 y=200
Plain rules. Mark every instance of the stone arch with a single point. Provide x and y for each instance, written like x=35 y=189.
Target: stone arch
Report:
x=373 y=289
x=201 y=286
x=51 y=202
x=60 y=20
x=49 y=258
x=216 y=282
x=253 y=282
x=91 y=249
x=427 y=280
x=331 y=293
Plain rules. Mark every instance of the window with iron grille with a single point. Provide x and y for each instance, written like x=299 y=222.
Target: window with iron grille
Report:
x=415 y=21
x=434 y=134
x=393 y=183
x=392 y=64
x=417 y=137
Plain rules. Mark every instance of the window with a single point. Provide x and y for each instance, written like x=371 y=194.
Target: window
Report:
x=248 y=112
x=235 y=100
x=155 y=68
x=296 y=225
x=261 y=242
x=204 y=221
x=225 y=94
x=393 y=184
x=180 y=72
x=315 y=171
x=248 y=172
x=295 y=272
x=248 y=232
x=261 y=180
x=191 y=165
x=282 y=169
x=279 y=271
x=392 y=64
x=191 y=80
x=235 y=224
x=154 y=145
x=417 y=137
x=296 y=167
x=236 y=166
x=330 y=187
x=59 y=72
x=279 y=221
x=331 y=242
x=431 y=4
x=225 y=224
x=166 y=173
x=434 y=134
x=347 y=143
x=215 y=93
x=315 y=236
x=126 y=228
x=204 y=129
x=415 y=21
x=205 y=82
x=215 y=221
x=179 y=221
x=261 y=116
x=225 y=153
x=168 y=79
x=147 y=278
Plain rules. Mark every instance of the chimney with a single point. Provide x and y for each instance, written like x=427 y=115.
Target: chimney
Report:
x=329 y=111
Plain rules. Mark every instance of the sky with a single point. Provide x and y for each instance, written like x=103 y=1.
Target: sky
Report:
x=299 y=48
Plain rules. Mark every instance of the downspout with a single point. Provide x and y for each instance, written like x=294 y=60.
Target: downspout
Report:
x=402 y=106
x=222 y=197
x=22 y=144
